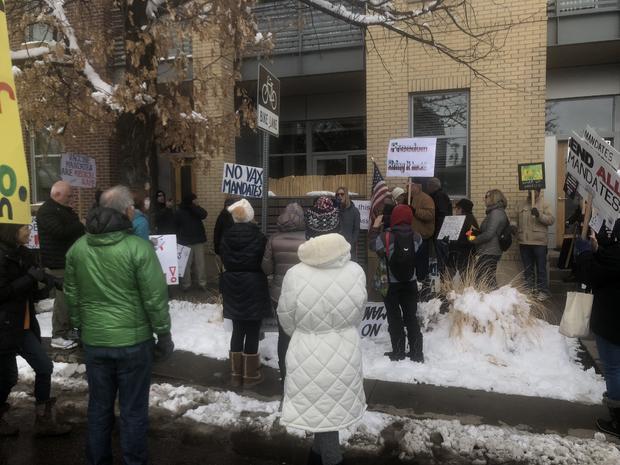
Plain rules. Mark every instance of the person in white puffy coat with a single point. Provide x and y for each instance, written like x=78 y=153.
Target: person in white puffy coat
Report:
x=321 y=307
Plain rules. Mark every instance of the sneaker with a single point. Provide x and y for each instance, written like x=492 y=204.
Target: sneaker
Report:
x=73 y=335
x=64 y=344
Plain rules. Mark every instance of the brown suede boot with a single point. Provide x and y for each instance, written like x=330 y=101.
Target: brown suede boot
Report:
x=6 y=429
x=45 y=423
x=251 y=370
x=236 y=368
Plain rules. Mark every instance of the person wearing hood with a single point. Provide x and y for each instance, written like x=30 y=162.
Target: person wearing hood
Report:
x=191 y=233
x=223 y=222
x=164 y=215
x=598 y=266
x=117 y=297
x=245 y=292
x=280 y=256
x=140 y=223
x=402 y=295
x=321 y=307
x=19 y=332
x=349 y=219
x=462 y=250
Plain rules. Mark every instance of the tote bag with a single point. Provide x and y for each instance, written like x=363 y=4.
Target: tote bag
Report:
x=576 y=318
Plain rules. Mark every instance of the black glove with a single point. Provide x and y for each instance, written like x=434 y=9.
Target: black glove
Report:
x=163 y=348
x=535 y=212
x=53 y=281
x=36 y=273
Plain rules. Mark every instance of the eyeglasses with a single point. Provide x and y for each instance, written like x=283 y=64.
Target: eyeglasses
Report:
x=340 y=194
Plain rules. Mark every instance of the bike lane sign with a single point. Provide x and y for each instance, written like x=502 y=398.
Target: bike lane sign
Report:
x=268 y=101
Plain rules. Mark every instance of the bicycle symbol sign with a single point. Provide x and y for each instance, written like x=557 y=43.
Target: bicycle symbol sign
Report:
x=268 y=101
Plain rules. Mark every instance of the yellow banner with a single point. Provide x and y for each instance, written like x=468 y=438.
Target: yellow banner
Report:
x=14 y=183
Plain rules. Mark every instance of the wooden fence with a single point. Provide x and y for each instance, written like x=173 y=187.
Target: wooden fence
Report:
x=297 y=186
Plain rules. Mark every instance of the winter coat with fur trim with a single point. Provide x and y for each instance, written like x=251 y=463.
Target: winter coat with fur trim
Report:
x=321 y=307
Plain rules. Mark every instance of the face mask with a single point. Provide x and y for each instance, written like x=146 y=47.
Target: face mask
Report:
x=147 y=203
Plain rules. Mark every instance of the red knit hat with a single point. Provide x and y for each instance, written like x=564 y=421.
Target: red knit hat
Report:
x=402 y=214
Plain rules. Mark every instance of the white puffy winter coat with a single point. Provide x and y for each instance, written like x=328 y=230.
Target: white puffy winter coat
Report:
x=321 y=307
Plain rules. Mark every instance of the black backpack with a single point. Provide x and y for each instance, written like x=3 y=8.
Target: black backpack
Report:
x=505 y=236
x=402 y=261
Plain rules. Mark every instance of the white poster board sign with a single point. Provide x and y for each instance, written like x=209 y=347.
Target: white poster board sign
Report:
x=182 y=257
x=246 y=181
x=364 y=208
x=374 y=324
x=604 y=149
x=78 y=170
x=166 y=250
x=33 y=240
x=451 y=227
x=414 y=157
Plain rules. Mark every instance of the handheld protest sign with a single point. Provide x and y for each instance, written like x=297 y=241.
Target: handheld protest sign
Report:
x=14 y=182
x=412 y=157
x=246 y=181
x=531 y=176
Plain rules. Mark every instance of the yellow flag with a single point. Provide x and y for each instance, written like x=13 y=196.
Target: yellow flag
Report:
x=14 y=184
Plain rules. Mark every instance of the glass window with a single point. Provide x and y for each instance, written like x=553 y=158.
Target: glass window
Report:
x=565 y=116
x=446 y=117
x=292 y=138
x=282 y=166
x=331 y=166
x=40 y=32
x=337 y=135
x=46 y=153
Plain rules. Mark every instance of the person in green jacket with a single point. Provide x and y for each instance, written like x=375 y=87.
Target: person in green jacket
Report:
x=117 y=298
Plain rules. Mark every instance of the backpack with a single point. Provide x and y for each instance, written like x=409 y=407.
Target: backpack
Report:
x=505 y=236
x=402 y=261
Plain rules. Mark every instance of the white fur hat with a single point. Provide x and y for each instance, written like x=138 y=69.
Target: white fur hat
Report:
x=241 y=211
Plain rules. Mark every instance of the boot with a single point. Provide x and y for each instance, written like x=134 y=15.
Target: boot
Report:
x=416 y=352
x=314 y=458
x=236 y=368
x=6 y=429
x=45 y=423
x=398 y=349
x=610 y=426
x=251 y=370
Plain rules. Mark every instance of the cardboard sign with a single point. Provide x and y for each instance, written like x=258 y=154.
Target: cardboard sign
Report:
x=182 y=258
x=246 y=181
x=364 y=208
x=166 y=250
x=78 y=170
x=451 y=227
x=374 y=324
x=14 y=182
x=531 y=176
x=414 y=157
x=33 y=240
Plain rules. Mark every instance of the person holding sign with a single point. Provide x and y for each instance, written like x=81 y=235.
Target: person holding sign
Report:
x=191 y=233
x=462 y=250
x=533 y=221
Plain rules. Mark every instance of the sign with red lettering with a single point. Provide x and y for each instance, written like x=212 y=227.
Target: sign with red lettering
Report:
x=78 y=170
x=166 y=250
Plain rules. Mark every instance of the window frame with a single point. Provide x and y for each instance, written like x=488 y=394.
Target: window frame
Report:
x=33 y=164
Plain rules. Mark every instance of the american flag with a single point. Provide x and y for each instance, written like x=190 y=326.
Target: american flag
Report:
x=379 y=193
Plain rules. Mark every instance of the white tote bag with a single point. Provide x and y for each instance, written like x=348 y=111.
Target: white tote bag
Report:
x=576 y=318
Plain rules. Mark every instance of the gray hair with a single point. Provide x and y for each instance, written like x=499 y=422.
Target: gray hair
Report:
x=117 y=198
x=434 y=183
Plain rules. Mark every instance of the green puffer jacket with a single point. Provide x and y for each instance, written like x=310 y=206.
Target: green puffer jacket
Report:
x=114 y=285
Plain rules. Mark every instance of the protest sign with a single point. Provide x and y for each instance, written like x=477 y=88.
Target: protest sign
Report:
x=14 y=182
x=599 y=145
x=594 y=176
x=451 y=227
x=364 y=208
x=413 y=157
x=166 y=250
x=182 y=258
x=78 y=170
x=531 y=176
x=33 y=240
x=374 y=323
x=246 y=181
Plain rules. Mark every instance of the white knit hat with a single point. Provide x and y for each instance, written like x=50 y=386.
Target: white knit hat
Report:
x=241 y=211
x=397 y=192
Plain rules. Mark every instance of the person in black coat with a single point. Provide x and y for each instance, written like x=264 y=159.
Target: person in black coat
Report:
x=598 y=265
x=443 y=208
x=245 y=291
x=462 y=250
x=191 y=233
x=164 y=215
x=59 y=227
x=19 y=331
x=222 y=223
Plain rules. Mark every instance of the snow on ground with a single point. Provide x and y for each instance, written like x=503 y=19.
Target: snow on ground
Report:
x=505 y=359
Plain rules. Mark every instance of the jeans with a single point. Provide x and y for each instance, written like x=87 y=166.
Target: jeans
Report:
x=36 y=356
x=401 y=304
x=126 y=370
x=610 y=356
x=534 y=258
x=61 y=323
x=486 y=269
x=245 y=335
x=327 y=445
x=195 y=263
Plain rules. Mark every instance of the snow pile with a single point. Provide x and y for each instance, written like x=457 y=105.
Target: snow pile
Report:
x=66 y=376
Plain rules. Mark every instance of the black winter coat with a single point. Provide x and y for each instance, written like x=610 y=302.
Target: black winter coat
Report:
x=461 y=250
x=601 y=270
x=164 y=220
x=443 y=208
x=243 y=285
x=17 y=291
x=222 y=223
x=188 y=220
x=59 y=227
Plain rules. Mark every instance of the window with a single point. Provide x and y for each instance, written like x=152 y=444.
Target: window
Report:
x=40 y=32
x=335 y=135
x=565 y=116
x=446 y=117
x=45 y=158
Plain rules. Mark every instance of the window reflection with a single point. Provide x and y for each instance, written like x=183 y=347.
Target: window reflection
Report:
x=565 y=116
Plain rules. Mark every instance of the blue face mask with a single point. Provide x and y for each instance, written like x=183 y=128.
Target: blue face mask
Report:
x=337 y=201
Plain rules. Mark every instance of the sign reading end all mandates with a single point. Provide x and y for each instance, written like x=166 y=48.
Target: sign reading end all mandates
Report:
x=268 y=99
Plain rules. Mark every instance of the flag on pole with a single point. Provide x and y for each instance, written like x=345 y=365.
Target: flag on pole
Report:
x=14 y=183
x=379 y=193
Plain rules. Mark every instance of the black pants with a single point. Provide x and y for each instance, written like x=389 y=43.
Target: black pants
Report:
x=245 y=336
x=283 y=342
x=401 y=304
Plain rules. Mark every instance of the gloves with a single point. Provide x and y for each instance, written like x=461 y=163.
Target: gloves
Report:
x=163 y=348
x=582 y=245
x=534 y=211
x=53 y=281
x=36 y=273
